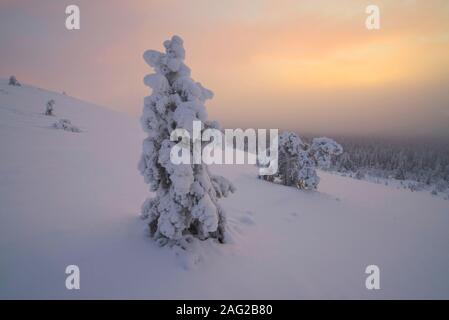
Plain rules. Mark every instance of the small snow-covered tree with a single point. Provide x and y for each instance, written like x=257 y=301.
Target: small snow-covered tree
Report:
x=290 y=150
x=317 y=155
x=13 y=81
x=49 y=107
x=323 y=149
x=307 y=178
x=65 y=124
x=186 y=195
x=298 y=160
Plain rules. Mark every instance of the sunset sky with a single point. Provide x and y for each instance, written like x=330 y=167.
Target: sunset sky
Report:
x=309 y=66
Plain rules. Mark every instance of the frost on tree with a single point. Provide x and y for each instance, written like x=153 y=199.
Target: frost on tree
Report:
x=298 y=160
x=49 y=108
x=186 y=195
x=13 y=81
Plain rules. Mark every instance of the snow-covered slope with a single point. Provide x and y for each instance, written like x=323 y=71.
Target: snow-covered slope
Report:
x=74 y=198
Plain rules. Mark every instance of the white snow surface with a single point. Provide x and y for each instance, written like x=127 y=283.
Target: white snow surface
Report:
x=74 y=198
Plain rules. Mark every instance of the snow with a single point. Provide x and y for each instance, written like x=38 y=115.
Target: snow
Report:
x=70 y=198
x=406 y=184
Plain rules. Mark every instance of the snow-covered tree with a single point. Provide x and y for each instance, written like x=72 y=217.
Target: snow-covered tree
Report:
x=186 y=195
x=13 y=81
x=49 y=107
x=323 y=149
x=290 y=149
x=298 y=160
x=318 y=155
x=307 y=178
x=66 y=125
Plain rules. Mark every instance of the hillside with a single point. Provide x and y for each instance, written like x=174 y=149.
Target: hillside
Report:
x=74 y=198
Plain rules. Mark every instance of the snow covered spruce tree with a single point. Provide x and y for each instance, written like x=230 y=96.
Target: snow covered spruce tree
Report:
x=186 y=195
x=307 y=178
x=49 y=107
x=13 y=81
x=290 y=151
x=316 y=155
x=323 y=149
x=298 y=160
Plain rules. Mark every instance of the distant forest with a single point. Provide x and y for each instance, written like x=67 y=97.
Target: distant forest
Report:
x=423 y=160
x=421 y=163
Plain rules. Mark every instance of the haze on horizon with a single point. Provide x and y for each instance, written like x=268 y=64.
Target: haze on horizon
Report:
x=309 y=66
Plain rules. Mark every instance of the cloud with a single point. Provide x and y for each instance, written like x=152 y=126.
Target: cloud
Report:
x=273 y=63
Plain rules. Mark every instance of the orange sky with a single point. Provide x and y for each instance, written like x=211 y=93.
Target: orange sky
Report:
x=310 y=66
